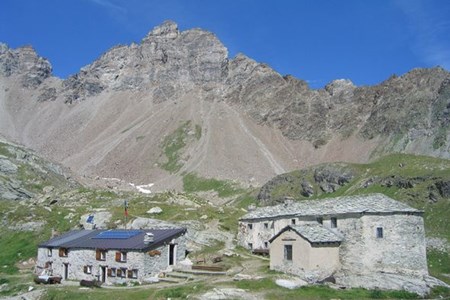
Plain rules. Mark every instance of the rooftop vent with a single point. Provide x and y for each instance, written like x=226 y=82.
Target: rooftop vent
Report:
x=148 y=238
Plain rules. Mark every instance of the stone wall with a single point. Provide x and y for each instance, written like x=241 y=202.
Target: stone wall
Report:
x=155 y=264
x=145 y=264
x=402 y=249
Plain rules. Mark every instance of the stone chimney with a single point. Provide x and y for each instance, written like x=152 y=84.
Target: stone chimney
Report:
x=288 y=201
x=148 y=238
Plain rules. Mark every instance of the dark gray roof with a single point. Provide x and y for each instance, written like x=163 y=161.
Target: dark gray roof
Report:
x=372 y=203
x=313 y=233
x=316 y=233
x=86 y=239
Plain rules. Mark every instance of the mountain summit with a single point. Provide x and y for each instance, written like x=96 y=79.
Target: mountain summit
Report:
x=176 y=104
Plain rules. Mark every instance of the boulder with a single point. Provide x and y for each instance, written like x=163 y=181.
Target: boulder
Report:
x=155 y=210
x=291 y=283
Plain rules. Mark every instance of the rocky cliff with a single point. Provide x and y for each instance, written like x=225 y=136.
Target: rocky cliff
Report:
x=178 y=96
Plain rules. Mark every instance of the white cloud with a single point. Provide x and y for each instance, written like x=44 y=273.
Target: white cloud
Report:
x=114 y=9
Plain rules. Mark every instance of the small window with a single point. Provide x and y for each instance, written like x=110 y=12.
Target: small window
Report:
x=380 y=232
x=133 y=273
x=293 y=221
x=288 y=252
x=121 y=256
x=123 y=272
x=266 y=225
x=250 y=246
x=112 y=272
x=250 y=226
x=266 y=245
x=320 y=220
x=100 y=254
x=63 y=252
x=333 y=222
x=49 y=252
x=87 y=269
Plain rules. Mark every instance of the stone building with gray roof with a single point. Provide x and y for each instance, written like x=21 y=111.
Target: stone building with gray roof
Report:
x=371 y=233
x=111 y=256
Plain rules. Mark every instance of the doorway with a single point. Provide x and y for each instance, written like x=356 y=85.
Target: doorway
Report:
x=172 y=254
x=66 y=271
x=103 y=273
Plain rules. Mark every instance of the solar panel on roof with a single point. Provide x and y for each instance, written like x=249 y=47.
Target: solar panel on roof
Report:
x=117 y=234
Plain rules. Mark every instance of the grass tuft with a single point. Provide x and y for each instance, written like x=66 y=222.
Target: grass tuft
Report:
x=194 y=183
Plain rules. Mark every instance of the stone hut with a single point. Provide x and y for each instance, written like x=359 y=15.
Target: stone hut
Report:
x=305 y=249
x=376 y=234
x=111 y=256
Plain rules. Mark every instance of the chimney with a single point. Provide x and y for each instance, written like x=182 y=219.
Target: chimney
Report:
x=148 y=238
x=288 y=201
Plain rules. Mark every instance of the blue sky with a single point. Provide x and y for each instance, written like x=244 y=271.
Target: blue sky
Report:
x=318 y=41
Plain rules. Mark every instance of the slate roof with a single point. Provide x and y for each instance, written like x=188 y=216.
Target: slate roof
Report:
x=86 y=239
x=372 y=203
x=316 y=233
x=313 y=233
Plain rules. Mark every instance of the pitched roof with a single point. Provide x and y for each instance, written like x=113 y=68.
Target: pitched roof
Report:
x=113 y=239
x=313 y=233
x=372 y=203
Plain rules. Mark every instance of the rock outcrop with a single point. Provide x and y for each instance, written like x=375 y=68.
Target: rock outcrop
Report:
x=23 y=175
x=166 y=64
x=24 y=61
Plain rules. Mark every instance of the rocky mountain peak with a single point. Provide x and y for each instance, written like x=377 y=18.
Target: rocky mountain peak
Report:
x=340 y=86
x=164 y=64
x=25 y=62
x=167 y=30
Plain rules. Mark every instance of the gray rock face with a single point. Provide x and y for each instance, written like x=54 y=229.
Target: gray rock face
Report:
x=7 y=167
x=169 y=63
x=166 y=63
x=307 y=189
x=22 y=174
x=443 y=188
x=264 y=195
x=330 y=179
x=24 y=61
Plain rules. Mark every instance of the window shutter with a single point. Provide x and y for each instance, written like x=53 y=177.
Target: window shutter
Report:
x=85 y=269
x=97 y=254
x=61 y=252
x=109 y=272
x=119 y=273
x=118 y=256
x=130 y=274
